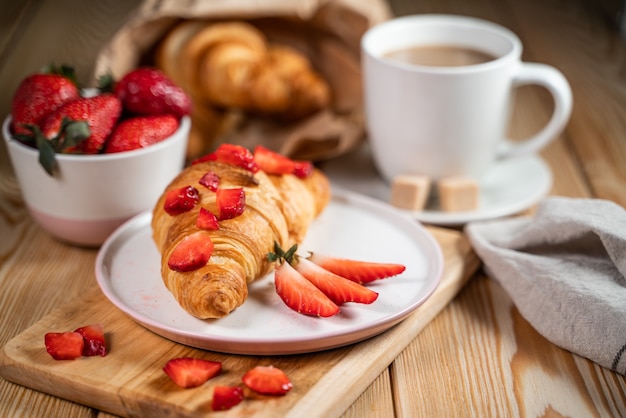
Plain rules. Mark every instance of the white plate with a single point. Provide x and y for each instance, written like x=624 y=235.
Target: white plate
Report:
x=353 y=226
x=509 y=187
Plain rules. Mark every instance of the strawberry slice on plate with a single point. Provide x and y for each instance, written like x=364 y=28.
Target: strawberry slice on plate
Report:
x=225 y=397
x=267 y=380
x=355 y=270
x=188 y=372
x=300 y=294
x=64 y=345
x=337 y=288
x=93 y=335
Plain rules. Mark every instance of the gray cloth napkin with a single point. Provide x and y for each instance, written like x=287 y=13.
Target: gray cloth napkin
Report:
x=565 y=270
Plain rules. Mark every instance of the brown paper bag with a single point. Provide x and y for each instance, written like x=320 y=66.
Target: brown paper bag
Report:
x=327 y=32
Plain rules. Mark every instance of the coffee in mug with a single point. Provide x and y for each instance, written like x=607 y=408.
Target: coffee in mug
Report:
x=438 y=92
x=439 y=55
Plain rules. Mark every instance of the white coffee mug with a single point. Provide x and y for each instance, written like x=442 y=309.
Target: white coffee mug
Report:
x=446 y=120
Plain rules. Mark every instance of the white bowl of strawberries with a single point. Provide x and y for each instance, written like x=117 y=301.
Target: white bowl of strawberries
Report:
x=88 y=160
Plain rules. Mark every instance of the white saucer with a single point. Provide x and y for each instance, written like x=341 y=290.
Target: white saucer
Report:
x=509 y=187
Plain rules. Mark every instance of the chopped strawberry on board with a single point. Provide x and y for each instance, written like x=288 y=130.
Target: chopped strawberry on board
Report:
x=41 y=93
x=148 y=91
x=101 y=114
x=64 y=345
x=225 y=397
x=93 y=335
x=300 y=294
x=231 y=154
x=140 y=132
x=191 y=253
x=181 y=200
x=207 y=220
x=267 y=380
x=355 y=270
x=274 y=163
x=230 y=202
x=188 y=372
x=337 y=288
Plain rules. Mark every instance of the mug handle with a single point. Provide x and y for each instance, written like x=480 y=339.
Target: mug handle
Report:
x=554 y=81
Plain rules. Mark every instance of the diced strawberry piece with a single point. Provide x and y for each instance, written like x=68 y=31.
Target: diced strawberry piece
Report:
x=225 y=397
x=64 y=345
x=95 y=344
x=267 y=380
x=191 y=253
x=190 y=372
x=357 y=271
x=207 y=220
x=338 y=289
x=272 y=162
x=300 y=294
x=181 y=200
x=302 y=169
x=230 y=202
x=210 y=180
x=231 y=154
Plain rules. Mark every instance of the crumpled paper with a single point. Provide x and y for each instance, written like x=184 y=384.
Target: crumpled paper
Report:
x=565 y=270
x=327 y=31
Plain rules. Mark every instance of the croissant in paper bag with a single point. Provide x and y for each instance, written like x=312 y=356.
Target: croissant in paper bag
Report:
x=216 y=222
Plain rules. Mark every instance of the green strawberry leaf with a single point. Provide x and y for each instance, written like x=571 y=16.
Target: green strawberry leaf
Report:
x=47 y=155
x=75 y=133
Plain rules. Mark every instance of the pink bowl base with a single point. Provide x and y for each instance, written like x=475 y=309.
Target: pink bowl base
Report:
x=83 y=233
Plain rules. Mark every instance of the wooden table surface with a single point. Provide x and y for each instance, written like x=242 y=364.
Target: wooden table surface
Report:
x=478 y=357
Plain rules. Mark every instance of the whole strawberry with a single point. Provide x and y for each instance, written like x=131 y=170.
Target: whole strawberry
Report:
x=39 y=94
x=101 y=113
x=140 y=132
x=148 y=91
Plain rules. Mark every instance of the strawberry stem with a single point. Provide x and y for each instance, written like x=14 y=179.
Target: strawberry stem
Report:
x=280 y=256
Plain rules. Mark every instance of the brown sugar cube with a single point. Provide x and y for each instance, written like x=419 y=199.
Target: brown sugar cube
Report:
x=410 y=191
x=457 y=194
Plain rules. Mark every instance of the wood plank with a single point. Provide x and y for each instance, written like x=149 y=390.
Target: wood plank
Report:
x=129 y=381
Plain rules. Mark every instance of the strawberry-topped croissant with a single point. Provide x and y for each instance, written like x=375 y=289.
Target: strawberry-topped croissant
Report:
x=216 y=222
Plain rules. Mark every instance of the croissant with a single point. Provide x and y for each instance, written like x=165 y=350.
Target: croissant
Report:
x=278 y=208
x=232 y=65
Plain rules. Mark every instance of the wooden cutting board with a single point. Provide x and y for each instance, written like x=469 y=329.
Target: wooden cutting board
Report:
x=129 y=381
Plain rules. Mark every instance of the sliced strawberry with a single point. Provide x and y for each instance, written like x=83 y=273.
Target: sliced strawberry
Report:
x=190 y=372
x=231 y=154
x=181 y=200
x=225 y=397
x=357 y=271
x=191 y=253
x=95 y=344
x=274 y=163
x=300 y=294
x=210 y=180
x=267 y=380
x=207 y=220
x=64 y=345
x=230 y=202
x=338 y=289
